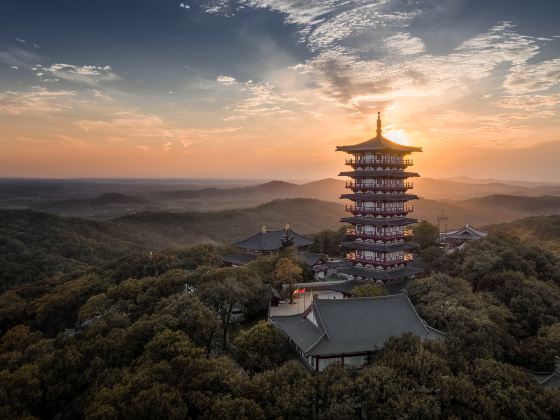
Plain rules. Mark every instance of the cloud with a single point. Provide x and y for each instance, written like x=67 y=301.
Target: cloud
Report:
x=135 y=126
x=404 y=44
x=18 y=57
x=89 y=74
x=365 y=57
x=225 y=80
x=525 y=78
x=35 y=100
x=358 y=83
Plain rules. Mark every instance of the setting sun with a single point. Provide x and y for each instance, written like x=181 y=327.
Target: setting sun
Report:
x=398 y=136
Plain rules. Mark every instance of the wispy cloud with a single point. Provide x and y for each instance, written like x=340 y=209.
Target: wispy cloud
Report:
x=19 y=57
x=35 y=100
x=225 y=80
x=525 y=78
x=135 y=126
x=89 y=74
x=365 y=57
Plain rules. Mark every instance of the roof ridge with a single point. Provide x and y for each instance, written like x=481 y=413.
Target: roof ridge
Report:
x=318 y=317
x=316 y=343
x=416 y=312
x=394 y=296
x=285 y=316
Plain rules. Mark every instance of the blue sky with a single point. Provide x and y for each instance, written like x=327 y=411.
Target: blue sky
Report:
x=117 y=84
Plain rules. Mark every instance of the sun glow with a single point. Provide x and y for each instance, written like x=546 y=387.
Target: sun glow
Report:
x=398 y=136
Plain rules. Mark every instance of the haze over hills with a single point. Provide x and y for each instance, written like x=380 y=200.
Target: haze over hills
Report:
x=49 y=243
x=475 y=203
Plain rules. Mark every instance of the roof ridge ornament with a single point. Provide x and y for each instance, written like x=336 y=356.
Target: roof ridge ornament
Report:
x=379 y=131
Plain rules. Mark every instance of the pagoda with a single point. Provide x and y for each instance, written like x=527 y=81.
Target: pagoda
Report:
x=378 y=239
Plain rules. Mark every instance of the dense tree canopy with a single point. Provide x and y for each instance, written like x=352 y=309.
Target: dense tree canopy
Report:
x=142 y=336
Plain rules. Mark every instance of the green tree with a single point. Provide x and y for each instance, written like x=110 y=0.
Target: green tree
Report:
x=260 y=348
x=288 y=273
x=425 y=234
x=223 y=289
x=188 y=313
x=370 y=289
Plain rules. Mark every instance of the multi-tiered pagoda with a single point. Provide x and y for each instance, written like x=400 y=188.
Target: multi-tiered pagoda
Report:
x=378 y=243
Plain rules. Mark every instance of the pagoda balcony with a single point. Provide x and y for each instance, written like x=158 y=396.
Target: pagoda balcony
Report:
x=373 y=210
x=380 y=162
x=379 y=261
x=372 y=186
x=379 y=236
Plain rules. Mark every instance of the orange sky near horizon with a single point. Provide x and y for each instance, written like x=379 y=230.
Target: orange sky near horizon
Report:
x=482 y=99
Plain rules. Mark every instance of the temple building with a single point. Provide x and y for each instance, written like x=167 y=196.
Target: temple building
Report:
x=456 y=239
x=265 y=242
x=377 y=242
x=549 y=380
x=268 y=242
x=350 y=331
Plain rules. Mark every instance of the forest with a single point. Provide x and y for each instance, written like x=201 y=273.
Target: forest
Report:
x=95 y=325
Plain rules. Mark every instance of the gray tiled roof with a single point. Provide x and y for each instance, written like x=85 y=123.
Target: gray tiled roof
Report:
x=356 y=325
x=376 y=247
x=302 y=331
x=394 y=287
x=548 y=380
x=238 y=259
x=378 y=143
x=310 y=258
x=370 y=273
x=346 y=287
x=552 y=382
x=467 y=232
x=379 y=221
x=379 y=197
x=271 y=240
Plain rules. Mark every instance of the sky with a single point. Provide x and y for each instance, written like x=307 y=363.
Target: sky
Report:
x=265 y=89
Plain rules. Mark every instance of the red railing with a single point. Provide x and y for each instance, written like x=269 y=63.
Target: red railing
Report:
x=370 y=210
x=404 y=162
x=379 y=261
x=380 y=236
x=379 y=187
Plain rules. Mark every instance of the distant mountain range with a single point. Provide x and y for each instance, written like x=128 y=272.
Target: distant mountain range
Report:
x=474 y=202
x=330 y=189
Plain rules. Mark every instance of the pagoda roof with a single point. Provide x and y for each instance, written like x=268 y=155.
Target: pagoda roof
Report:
x=271 y=240
x=378 y=174
x=379 y=197
x=466 y=232
x=379 y=221
x=354 y=325
x=378 y=144
x=378 y=247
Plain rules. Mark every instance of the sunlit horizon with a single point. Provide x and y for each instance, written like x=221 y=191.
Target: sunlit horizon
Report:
x=267 y=90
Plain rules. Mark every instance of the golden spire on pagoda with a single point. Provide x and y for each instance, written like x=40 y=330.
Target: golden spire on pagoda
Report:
x=379 y=131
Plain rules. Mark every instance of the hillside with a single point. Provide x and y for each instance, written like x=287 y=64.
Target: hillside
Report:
x=34 y=245
x=486 y=210
x=188 y=228
x=542 y=231
x=114 y=198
